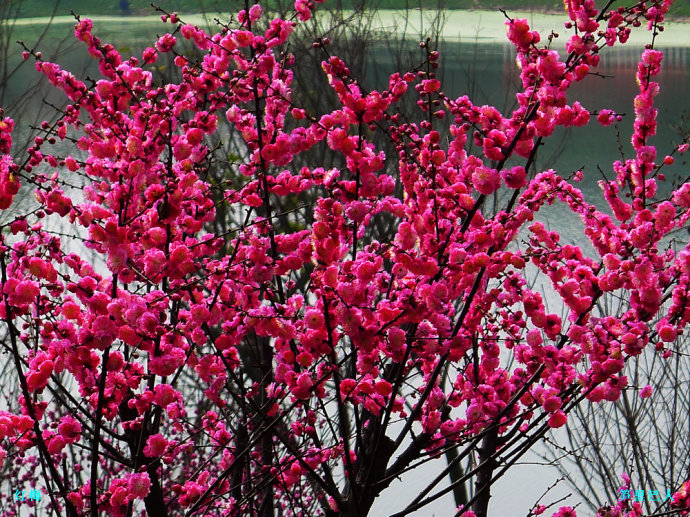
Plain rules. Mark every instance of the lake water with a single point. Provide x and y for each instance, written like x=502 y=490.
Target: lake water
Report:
x=475 y=62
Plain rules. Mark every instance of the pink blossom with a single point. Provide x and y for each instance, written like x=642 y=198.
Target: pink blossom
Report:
x=550 y=66
x=56 y=444
x=22 y=293
x=519 y=33
x=165 y=394
x=165 y=43
x=646 y=391
x=558 y=419
x=155 y=446
x=70 y=429
x=515 y=177
x=681 y=197
x=138 y=485
x=606 y=117
x=150 y=55
x=486 y=180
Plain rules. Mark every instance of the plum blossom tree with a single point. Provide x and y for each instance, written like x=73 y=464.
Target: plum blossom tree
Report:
x=193 y=372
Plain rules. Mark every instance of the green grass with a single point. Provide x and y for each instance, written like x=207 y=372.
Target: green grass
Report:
x=31 y=8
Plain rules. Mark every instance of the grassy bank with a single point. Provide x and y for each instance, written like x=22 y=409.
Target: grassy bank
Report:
x=34 y=8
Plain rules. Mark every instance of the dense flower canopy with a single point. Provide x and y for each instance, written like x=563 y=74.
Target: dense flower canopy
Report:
x=225 y=373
